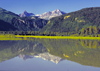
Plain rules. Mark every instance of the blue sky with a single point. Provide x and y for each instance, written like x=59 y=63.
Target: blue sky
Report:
x=41 y=6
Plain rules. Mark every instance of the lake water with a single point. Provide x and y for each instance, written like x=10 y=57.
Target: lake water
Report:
x=50 y=55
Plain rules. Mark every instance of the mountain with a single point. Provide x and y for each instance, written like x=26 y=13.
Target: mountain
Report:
x=46 y=15
x=83 y=22
x=29 y=23
x=14 y=22
x=26 y=14
x=49 y=15
x=48 y=56
x=7 y=16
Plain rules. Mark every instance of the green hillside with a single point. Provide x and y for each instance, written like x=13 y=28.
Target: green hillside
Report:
x=4 y=26
x=21 y=24
x=7 y=16
x=82 y=22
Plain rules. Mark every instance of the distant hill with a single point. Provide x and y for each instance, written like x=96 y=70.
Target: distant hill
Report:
x=20 y=23
x=26 y=14
x=49 y=15
x=83 y=22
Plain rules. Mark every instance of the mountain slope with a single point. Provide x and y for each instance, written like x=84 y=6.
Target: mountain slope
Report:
x=4 y=26
x=7 y=15
x=21 y=23
x=85 y=21
x=29 y=23
x=26 y=14
x=49 y=15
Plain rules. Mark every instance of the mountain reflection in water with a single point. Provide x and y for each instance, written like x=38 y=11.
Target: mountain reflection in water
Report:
x=24 y=57
x=84 y=52
x=49 y=57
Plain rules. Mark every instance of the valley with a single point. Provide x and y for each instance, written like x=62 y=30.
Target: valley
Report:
x=84 y=23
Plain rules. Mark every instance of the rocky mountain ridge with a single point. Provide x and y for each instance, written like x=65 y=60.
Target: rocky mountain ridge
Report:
x=46 y=15
x=26 y=14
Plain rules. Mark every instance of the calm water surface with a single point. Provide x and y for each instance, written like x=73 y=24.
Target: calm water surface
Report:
x=50 y=55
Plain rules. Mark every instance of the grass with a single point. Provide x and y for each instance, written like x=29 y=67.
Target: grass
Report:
x=25 y=37
x=9 y=37
x=61 y=37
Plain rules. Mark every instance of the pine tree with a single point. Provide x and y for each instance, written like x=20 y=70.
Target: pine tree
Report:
x=95 y=31
x=90 y=29
x=76 y=29
x=82 y=31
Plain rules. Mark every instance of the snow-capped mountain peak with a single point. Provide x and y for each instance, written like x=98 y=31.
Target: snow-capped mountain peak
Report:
x=57 y=10
x=46 y=15
x=49 y=15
